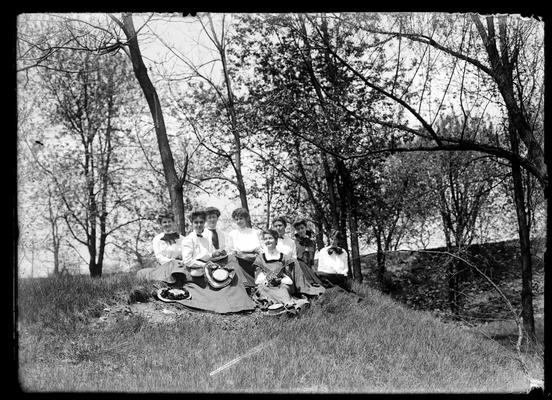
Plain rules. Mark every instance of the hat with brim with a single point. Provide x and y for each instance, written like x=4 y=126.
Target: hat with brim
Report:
x=276 y=309
x=218 y=277
x=222 y=257
x=197 y=268
x=246 y=255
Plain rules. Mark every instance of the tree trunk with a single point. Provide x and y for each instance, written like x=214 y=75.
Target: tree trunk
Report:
x=319 y=231
x=453 y=286
x=242 y=191
x=55 y=240
x=32 y=259
x=101 y=252
x=176 y=193
x=352 y=219
x=95 y=269
x=380 y=259
x=174 y=183
x=231 y=108
x=56 y=257
x=548 y=251
x=305 y=183
x=525 y=245
x=502 y=70
x=95 y=272
x=332 y=198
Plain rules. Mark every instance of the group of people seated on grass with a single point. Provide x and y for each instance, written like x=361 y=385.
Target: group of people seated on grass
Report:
x=243 y=269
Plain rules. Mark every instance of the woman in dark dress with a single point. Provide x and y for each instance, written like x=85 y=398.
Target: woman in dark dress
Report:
x=244 y=244
x=305 y=279
x=274 y=284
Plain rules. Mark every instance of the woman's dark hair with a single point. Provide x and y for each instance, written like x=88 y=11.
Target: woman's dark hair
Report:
x=241 y=213
x=212 y=210
x=335 y=235
x=281 y=219
x=164 y=214
x=296 y=224
x=270 y=232
x=197 y=213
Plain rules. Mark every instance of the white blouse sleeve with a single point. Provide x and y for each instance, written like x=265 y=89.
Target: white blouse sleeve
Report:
x=344 y=266
x=257 y=239
x=162 y=259
x=223 y=241
x=187 y=251
x=316 y=254
x=261 y=278
x=293 y=249
x=229 y=239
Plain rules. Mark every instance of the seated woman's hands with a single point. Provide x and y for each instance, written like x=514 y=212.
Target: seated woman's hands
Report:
x=274 y=281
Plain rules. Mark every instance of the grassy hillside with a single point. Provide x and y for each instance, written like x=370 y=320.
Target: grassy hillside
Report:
x=78 y=334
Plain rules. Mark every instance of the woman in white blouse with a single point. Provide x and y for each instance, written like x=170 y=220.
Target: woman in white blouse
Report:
x=245 y=243
x=285 y=244
x=196 y=249
x=331 y=263
x=167 y=248
x=244 y=240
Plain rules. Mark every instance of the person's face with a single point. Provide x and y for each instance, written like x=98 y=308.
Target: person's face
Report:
x=301 y=230
x=279 y=227
x=241 y=222
x=168 y=225
x=269 y=241
x=211 y=221
x=198 y=224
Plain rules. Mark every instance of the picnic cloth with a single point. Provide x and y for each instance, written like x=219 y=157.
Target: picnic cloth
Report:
x=246 y=272
x=229 y=299
x=163 y=272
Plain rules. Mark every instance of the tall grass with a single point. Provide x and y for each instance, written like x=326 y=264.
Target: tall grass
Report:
x=336 y=346
x=60 y=302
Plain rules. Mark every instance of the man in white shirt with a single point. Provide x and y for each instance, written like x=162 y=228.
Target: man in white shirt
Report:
x=217 y=237
x=285 y=244
x=196 y=249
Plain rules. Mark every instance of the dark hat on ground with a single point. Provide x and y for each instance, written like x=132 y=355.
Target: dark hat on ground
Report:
x=221 y=257
x=172 y=294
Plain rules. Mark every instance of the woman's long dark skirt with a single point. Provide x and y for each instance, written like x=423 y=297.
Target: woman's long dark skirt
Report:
x=305 y=280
